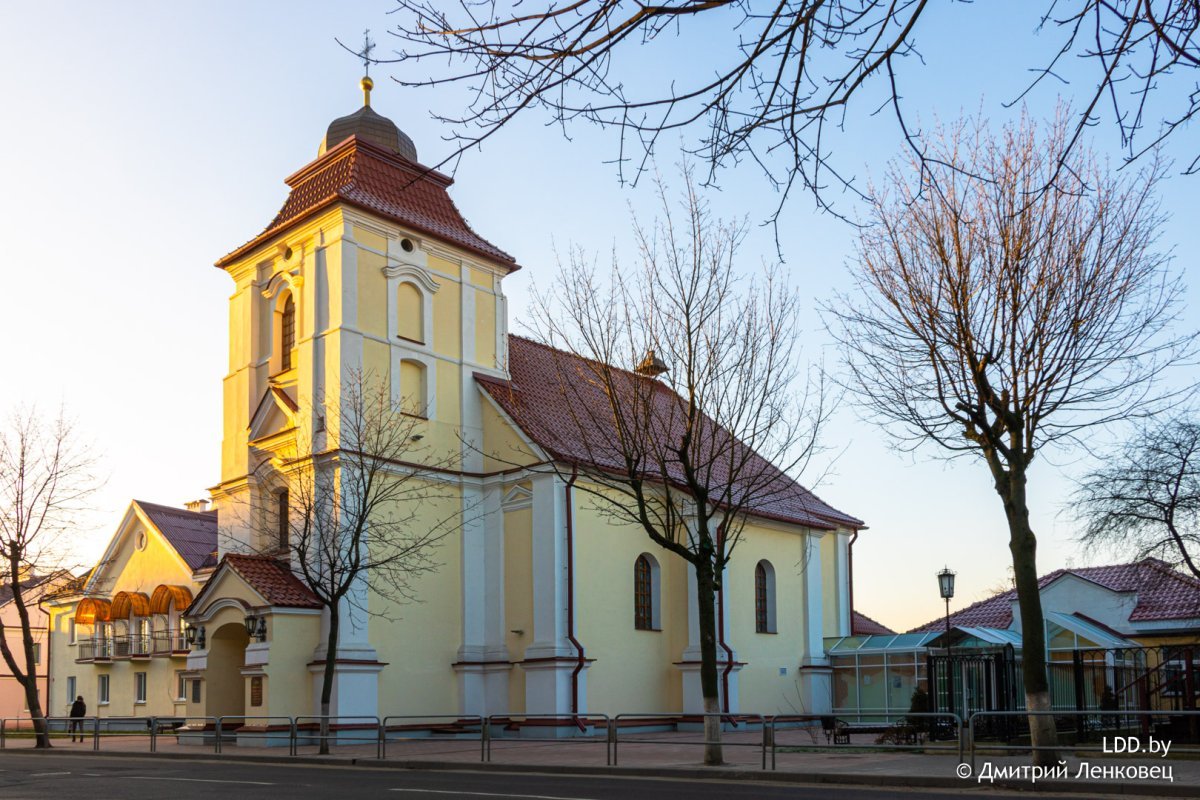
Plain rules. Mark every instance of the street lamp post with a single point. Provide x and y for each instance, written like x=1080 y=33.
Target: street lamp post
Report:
x=946 y=589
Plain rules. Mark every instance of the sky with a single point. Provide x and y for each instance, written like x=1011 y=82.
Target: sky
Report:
x=142 y=141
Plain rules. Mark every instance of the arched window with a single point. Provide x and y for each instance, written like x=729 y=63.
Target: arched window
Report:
x=410 y=313
x=281 y=519
x=287 y=336
x=764 y=597
x=645 y=593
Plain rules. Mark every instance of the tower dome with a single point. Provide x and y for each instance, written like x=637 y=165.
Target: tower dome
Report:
x=369 y=126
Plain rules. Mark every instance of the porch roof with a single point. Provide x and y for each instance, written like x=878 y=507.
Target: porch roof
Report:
x=1102 y=638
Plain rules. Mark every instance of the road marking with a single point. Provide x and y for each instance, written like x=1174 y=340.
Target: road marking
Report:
x=488 y=794
x=194 y=780
x=47 y=774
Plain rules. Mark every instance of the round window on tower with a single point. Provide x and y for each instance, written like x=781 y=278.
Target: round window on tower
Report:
x=140 y=540
x=406 y=245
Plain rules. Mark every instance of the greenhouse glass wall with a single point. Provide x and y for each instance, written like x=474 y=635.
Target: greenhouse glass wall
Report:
x=875 y=676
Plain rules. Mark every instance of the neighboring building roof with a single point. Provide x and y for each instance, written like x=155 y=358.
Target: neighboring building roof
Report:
x=535 y=401
x=271 y=578
x=31 y=582
x=1163 y=593
x=367 y=176
x=862 y=625
x=193 y=534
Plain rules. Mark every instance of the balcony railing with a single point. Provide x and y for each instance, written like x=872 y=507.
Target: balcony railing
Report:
x=94 y=650
x=167 y=642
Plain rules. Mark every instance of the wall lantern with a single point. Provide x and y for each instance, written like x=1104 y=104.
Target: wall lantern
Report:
x=256 y=627
x=195 y=636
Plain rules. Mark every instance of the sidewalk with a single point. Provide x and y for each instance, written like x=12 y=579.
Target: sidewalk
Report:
x=672 y=755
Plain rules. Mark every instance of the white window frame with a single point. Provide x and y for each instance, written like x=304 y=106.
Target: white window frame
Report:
x=140 y=688
x=72 y=687
x=102 y=690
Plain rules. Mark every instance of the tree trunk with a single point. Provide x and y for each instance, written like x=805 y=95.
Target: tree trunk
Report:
x=35 y=710
x=327 y=680
x=1023 y=545
x=709 y=683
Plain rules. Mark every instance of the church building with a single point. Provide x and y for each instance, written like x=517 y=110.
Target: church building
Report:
x=539 y=604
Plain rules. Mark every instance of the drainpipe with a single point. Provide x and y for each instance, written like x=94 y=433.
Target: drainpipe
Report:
x=725 y=647
x=721 y=631
x=850 y=575
x=570 y=520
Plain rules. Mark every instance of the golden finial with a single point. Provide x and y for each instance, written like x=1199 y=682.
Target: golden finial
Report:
x=367 y=85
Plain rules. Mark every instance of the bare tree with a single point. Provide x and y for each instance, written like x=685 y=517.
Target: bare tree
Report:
x=996 y=320
x=46 y=473
x=367 y=509
x=1145 y=498
x=709 y=427
x=778 y=84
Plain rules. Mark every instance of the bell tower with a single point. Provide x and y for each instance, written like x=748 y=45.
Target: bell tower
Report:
x=368 y=268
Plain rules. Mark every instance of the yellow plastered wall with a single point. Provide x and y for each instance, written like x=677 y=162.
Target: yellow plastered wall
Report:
x=287 y=687
x=762 y=687
x=485 y=327
x=447 y=310
x=372 y=285
x=634 y=669
x=419 y=640
x=829 y=583
x=518 y=595
x=502 y=446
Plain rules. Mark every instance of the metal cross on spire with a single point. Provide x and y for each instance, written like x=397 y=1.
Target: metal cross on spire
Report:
x=365 y=53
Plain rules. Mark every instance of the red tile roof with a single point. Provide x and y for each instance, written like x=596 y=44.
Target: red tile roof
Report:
x=1163 y=593
x=862 y=625
x=535 y=400
x=193 y=534
x=271 y=578
x=364 y=175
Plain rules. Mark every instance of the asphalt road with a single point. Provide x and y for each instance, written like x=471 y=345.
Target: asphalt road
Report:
x=85 y=777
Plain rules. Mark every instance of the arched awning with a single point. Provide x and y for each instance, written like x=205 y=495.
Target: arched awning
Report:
x=127 y=604
x=160 y=601
x=92 y=610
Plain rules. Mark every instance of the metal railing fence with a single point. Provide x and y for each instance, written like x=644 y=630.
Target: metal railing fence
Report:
x=266 y=734
x=734 y=719
x=461 y=720
x=952 y=727
x=571 y=721
x=1073 y=746
x=337 y=727
x=365 y=729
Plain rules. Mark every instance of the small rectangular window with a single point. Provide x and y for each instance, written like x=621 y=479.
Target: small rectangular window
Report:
x=37 y=653
x=196 y=691
x=71 y=683
x=102 y=690
x=180 y=686
x=139 y=687
x=71 y=632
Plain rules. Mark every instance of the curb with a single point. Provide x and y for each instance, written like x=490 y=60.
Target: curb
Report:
x=669 y=773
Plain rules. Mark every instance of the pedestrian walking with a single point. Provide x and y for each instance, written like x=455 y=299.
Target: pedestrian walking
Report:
x=78 y=711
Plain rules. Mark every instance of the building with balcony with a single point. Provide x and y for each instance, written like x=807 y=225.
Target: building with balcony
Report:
x=118 y=638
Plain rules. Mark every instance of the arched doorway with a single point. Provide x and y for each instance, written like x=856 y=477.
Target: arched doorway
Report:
x=225 y=685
